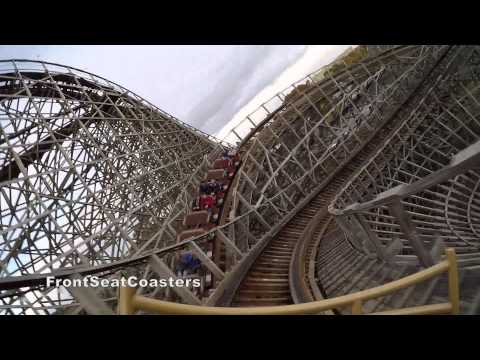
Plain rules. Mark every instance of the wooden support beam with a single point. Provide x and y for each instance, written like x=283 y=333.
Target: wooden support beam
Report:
x=393 y=249
x=408 y=228
x=251 y=208
x=438 y=249
x=369 y=235
x=228 y=243
x=206 y=260
x=89 y=300
x=164 y=271
x=344 y=224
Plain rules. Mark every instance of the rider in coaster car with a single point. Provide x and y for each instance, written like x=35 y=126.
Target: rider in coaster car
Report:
x=204 y=187
x=207 y=202
x=187 y=264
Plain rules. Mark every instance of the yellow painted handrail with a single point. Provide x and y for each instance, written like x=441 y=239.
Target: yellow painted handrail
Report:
x=129 y=302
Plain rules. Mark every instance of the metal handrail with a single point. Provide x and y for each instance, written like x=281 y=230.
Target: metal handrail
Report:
x=129 y=302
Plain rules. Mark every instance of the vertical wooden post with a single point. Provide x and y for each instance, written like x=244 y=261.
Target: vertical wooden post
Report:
x=453 y=285
x=125 y=304
x=369 y=235
x=345 y=226
x=164 y=271
x=408 y=228
x=357 y=307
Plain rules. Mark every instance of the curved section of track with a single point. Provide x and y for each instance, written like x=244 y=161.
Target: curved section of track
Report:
x=267 y=282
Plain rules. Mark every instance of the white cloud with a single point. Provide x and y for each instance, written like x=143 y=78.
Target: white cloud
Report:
x=315 y=57
x=238 y=81
x=202 y=85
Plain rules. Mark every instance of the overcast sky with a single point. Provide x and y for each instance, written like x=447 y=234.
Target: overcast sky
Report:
x=205 y=86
